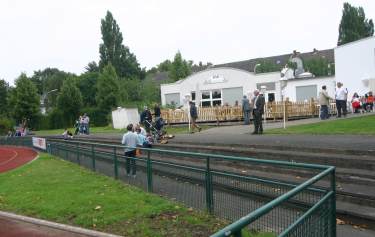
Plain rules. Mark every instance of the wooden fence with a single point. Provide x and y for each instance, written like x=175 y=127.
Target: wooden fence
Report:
x=273 y=111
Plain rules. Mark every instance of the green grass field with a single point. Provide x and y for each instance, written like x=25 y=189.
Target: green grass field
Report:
x=53 y=189
x=110 y=130
x=357 y=126
x=60 y=191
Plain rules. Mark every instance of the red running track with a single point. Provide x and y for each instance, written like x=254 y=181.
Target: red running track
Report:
x=13 y=157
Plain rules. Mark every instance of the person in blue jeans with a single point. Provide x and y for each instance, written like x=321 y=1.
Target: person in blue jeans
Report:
x=194 y=116
x=130 y=140
x=246 y=109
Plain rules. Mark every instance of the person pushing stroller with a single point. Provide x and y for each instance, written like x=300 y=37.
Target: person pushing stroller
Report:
x=146 y=118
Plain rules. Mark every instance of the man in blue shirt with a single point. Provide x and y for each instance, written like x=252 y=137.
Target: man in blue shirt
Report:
x=130 y=140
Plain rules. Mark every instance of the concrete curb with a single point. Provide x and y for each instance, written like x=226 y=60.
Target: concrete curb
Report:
x=72 y=229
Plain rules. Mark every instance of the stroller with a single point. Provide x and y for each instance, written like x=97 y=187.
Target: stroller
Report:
x=156 y=128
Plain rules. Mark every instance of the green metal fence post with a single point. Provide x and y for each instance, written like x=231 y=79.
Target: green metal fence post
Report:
x=149 y=173
x=333 y=204
x=115 y=161
x=77 y=150
x=93 y=157
x=209 y=188
x=238 y=233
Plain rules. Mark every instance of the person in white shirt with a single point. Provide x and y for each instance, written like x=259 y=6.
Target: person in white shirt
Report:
x=85 y=123
x=130 y=140
x=341 y=96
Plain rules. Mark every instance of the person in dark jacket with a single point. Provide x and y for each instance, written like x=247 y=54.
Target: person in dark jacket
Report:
x=258 y=111
x=194 y=116
x=146 y=118
x=157 y=112
x=246 y=110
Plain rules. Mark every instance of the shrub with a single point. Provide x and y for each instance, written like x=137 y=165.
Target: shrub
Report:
x=6 y=125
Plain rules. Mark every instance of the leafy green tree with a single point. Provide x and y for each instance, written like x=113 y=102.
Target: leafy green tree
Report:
x=92 y=67
x=25 y=101
x=318 y=66
x=4 y=93
x=165 y=66
x=180 y=68
x=47 y=80
x=40 y=78
x=263 y=66
x=112 y=51
x=107 y=89
x=69 y=101
x=354 y=25
x=131 y=91
x=150 y=91
x=87 y=85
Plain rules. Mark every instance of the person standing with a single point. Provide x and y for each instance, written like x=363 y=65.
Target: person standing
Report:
x=341 y=98
x=157 y=112
x=130 y=140
x=246 y=110
x=146 y=118
x=258 y=111
x=370 y=101
x=86 y=122
x=194 y=116
x=324 y=103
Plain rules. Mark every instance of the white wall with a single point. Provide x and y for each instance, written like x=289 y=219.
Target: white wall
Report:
x=354 y=63
x=121 y=117
x=290 y=89
x=232 y=78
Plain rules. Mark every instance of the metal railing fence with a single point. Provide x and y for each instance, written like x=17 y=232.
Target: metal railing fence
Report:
x=268 y=203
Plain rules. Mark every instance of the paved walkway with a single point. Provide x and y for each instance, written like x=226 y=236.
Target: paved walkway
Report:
x=241 y=135
x=244 y=129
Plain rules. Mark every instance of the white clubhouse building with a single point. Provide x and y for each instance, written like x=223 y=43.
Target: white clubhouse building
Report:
x=353 y=63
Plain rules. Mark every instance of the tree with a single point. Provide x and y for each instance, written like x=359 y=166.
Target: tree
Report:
x=354 y=25
x=92 y=67
x=47 y=80
x=25 y=101
x=113 y=52
x=318 y=66
x=4 y=93
x=180 y=68
x=264 y=66
x=165 y=66
x=69 y=101
x=87 y=85
x=107 y=89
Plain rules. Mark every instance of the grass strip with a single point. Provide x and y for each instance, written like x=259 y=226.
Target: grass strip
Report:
x=352 y=126
x=56 y=190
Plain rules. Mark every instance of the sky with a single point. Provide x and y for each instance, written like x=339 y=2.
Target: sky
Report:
x=66 y=34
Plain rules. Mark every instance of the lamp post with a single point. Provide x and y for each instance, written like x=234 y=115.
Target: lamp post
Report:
x=44 y=97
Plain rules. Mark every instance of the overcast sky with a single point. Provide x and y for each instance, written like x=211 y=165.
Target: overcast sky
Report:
x=66 y=34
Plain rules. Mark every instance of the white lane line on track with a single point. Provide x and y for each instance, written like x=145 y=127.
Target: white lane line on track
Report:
x=10 y=159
